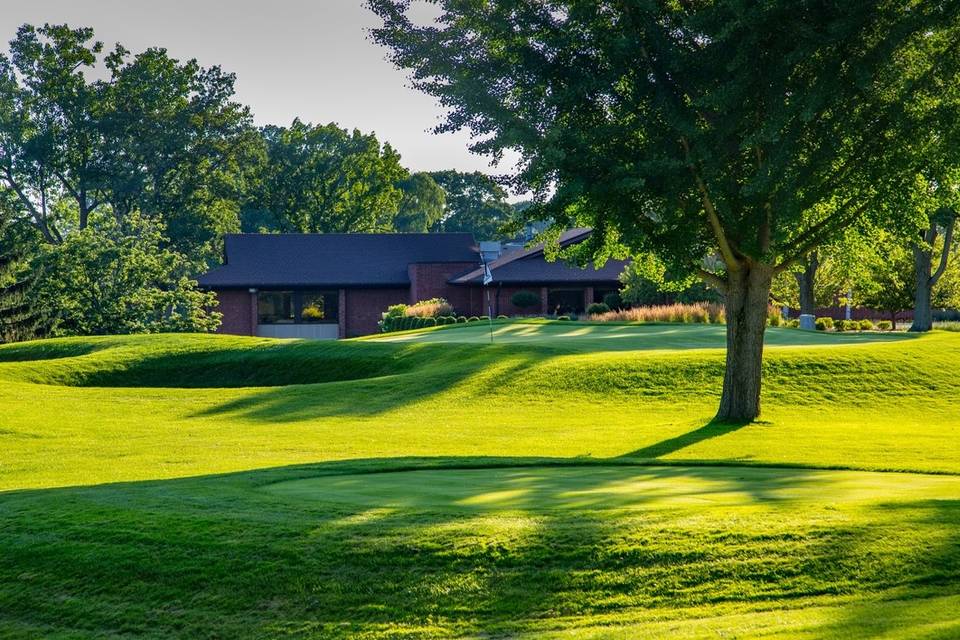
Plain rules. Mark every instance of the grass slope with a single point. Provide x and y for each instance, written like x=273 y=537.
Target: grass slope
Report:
x=430 y=486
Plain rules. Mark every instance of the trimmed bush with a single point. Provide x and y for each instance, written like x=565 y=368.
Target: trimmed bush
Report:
x=885 y=325
x=461 y=319
x=429 y=322
x=613 y=300
x=564 y=318
x=824 y=324
x=525 y=299
x=597 y=308
x=485 y=318
x=430 y=308
x=866 y=325
x=473 y=319
x=502 y=317
x=794 y=324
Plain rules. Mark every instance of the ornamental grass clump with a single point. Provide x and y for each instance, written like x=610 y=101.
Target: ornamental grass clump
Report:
x=432 y=308
x=696 y=313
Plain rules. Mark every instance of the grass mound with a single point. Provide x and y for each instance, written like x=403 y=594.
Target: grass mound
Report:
x=563 y=483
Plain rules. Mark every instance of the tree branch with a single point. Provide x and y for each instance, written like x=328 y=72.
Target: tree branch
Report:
x=713 y=280
x=726 y=249
x=945 y=254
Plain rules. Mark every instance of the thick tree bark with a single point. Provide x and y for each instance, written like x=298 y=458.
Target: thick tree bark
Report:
x=806 y=281
x=747 y=297
x=924 y=279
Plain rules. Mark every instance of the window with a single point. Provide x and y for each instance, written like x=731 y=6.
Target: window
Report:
x=564 y=301
x=275 y=307
x=297 y=307
x=319 y=306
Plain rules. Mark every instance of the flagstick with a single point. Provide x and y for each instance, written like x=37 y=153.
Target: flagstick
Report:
x=490 y=314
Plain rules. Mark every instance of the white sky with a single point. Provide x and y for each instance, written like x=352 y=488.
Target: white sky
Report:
x=293 y=58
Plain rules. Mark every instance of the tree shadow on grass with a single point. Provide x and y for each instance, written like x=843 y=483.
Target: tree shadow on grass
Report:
x=713 y=429
x=226 y=555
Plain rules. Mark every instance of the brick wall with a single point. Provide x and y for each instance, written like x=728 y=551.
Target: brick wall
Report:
x=238 y=311
x=431 y=280
x=365 y=306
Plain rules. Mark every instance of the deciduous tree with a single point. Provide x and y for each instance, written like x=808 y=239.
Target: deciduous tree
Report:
x=751 y=131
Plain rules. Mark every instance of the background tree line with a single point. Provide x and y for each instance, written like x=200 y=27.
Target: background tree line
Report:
x=120 y=173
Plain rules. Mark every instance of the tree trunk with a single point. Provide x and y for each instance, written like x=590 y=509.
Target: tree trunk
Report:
x=806 y=281
x=923 y=285
x=893 y=320
x=747 y=297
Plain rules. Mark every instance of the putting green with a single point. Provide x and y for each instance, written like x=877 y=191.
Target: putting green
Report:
x=612 y=487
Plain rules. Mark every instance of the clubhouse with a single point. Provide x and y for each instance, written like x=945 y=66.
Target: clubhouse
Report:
x=331 y=285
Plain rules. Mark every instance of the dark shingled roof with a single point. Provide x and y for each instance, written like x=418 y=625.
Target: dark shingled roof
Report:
x=333 y=259
x=529 y=266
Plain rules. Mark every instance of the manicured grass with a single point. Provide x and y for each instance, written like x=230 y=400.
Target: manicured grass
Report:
x=548 y=485
x=590 y=336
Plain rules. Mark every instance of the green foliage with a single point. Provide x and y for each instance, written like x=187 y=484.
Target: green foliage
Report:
x=104 y=279
x=462 y=319
x=149 y=135
x=885 y=325
x=473 y=319
x=824 y=324
x=597 y=308
x=774 y=316
x=525 y=299
x=321 y=178
x=646 y=282
x=422 y=205
x=502 y=317
x=474 y=203
x=794 y=324
x=866 y=325
x=613 y=300
x=563 y=318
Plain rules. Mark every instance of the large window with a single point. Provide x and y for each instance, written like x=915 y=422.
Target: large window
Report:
x=297 y=307
x=564 y=301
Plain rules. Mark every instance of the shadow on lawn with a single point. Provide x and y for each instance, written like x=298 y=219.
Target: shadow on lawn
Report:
x=713 y=429
x=218 y=554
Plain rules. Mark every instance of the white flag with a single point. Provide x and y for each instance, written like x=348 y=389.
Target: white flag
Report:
x=487 y=276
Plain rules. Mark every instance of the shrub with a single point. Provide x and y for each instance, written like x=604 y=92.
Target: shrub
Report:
x=473 y=319
x=525 y=299
x=396 y=311
x=613 y=300
x=485 y=318
x=794 y=324
x=699 y=312
x=849 y=325
x=866 y=325
x=823 y=324
x=774 y=317
x=597 y=308
x=429 y=308
x=885 y=325
x=564 y=318
x=429 y=322
x=502 y=317
x=461 y=319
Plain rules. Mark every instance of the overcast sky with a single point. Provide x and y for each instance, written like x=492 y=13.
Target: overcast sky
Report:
x=293 y=58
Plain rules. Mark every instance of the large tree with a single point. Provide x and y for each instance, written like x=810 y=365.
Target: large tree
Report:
x=750 y=131
x=321 y=178
x=475 y=204
x=150 y=135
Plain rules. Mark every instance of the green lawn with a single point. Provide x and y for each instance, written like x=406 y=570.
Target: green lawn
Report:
x=562 y=482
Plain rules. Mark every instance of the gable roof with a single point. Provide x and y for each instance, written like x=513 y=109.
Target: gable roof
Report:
x=333 y=259
x=530 y=266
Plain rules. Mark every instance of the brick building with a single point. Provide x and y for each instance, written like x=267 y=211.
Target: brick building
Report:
x=338 y=285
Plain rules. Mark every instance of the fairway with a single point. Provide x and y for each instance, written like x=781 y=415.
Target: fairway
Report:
x=583 y=336
x=566 y=482
x=545 y=489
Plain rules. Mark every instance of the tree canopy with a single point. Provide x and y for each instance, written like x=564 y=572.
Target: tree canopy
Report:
x=754 y=132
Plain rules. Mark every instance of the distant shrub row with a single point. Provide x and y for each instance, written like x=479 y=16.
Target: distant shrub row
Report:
x=699 y=313
x=829 y=324
x=406 y=323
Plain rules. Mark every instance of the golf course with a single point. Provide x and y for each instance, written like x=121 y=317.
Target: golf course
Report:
x=525 y=479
